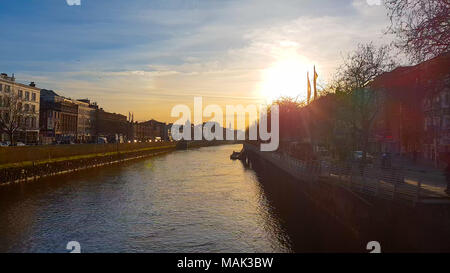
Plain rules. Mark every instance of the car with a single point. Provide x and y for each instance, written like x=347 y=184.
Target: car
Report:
x=102 y=140
x=20 y=144
x=358 y=156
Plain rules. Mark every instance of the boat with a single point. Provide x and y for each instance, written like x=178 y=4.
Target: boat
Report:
x=235 y=155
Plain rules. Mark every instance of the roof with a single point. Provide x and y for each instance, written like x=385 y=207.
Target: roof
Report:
x=19 y=84
x=45 y=92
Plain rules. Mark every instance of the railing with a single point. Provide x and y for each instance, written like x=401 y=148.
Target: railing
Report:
x=372 y=180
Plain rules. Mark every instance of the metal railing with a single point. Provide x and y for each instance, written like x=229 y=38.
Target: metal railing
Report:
x=384 y=183
x=373 y=180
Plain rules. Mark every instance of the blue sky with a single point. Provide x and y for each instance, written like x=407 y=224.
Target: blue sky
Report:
x=145 y=56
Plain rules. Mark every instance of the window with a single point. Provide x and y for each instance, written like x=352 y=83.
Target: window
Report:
x=1 y=87
x=27 y=107
x=33 y=97
x=33 y=108
x=7 y=88
x=20 y=94
x=27 y=95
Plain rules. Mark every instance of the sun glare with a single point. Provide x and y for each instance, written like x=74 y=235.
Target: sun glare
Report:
x=286 y=77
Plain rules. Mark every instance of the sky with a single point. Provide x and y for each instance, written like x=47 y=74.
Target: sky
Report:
x=145 y=56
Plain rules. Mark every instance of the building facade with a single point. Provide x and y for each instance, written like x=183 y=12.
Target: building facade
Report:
x=86 y=121
x=22 y=103
x=142 y=131
x=58 y=118
x=150 y=131
x=415 y=118
x=114 y=127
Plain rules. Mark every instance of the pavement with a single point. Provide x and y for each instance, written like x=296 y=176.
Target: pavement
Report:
x=433 y=179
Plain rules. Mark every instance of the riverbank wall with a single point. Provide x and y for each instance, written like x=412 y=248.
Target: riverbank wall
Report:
x=183 y=145
x=27 y=163
x=398 y=227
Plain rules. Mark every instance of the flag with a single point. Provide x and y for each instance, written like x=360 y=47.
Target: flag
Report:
x=309 y=88
x=315 y=82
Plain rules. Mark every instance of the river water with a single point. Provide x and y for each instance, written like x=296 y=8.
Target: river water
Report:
x=184 y=201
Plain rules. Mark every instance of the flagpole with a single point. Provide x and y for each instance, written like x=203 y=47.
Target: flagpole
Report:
x=315 y=83
x=308 y=88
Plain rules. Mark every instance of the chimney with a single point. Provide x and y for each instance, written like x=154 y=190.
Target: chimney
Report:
x=32 y=84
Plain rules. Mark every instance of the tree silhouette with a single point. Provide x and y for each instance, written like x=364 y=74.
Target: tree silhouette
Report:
x=421 y=26
x=358 y=103
x=12 y=115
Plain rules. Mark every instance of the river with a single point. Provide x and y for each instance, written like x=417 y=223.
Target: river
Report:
x=184 y=201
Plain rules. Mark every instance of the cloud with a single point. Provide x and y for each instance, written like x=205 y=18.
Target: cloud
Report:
x=73 y=2
x=374 y=2
x=142 y=51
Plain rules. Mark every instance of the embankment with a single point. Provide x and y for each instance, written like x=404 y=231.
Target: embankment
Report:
x=424 y=227
x=27 y=163
x=32 y=162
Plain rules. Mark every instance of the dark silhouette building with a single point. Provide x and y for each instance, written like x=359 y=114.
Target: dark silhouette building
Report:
x=415 y=118
x=111 y=125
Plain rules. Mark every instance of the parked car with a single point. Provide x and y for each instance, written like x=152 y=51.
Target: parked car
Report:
x=358 y=156
x=102 y=140
x=8 y=143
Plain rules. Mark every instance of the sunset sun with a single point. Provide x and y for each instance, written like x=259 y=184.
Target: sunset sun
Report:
x=286 y=77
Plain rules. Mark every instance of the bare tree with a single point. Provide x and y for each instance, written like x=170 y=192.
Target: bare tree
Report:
x=360 y=104
x=421 y=26
x=12 y=115
x=362 y=66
